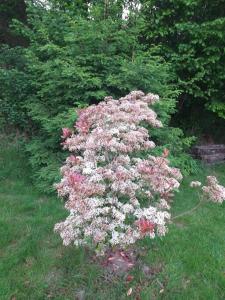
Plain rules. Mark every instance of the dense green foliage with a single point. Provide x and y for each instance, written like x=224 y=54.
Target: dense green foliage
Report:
x=190 y=34
x=188 y=263
x=10 y=9
x=73 y=61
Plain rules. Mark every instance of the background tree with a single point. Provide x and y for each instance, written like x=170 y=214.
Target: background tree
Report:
x=191 y=35
x=11 y=9
x=75 y=59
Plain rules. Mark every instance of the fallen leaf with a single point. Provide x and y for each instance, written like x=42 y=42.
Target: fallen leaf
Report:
x=111 y=258
x=129 y=292
x=129 y=278
x=165 y=152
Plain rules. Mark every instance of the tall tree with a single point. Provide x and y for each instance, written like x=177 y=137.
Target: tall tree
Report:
x=191 y=35
x=9 y=10
x=72 y=61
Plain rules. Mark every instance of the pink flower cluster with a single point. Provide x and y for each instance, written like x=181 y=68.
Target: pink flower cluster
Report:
x=214 y=191
x=115 y=197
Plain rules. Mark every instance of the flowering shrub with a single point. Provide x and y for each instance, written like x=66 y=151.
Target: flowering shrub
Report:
x=213 y=190
x=114 y=196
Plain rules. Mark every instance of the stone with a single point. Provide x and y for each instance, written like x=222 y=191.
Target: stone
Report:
x=209 y=154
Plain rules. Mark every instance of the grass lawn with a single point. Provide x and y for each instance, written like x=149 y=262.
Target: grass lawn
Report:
x=189 y=263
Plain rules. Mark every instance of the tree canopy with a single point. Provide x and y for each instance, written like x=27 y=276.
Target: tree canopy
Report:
x=77 y=52
x=190 y=34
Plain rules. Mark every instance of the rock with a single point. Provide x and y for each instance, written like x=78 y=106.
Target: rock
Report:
x=209 y=154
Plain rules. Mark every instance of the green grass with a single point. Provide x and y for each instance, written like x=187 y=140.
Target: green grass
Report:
x=189 y=262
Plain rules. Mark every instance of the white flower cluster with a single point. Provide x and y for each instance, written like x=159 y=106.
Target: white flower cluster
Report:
x=194 y=184
x=214 y=191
